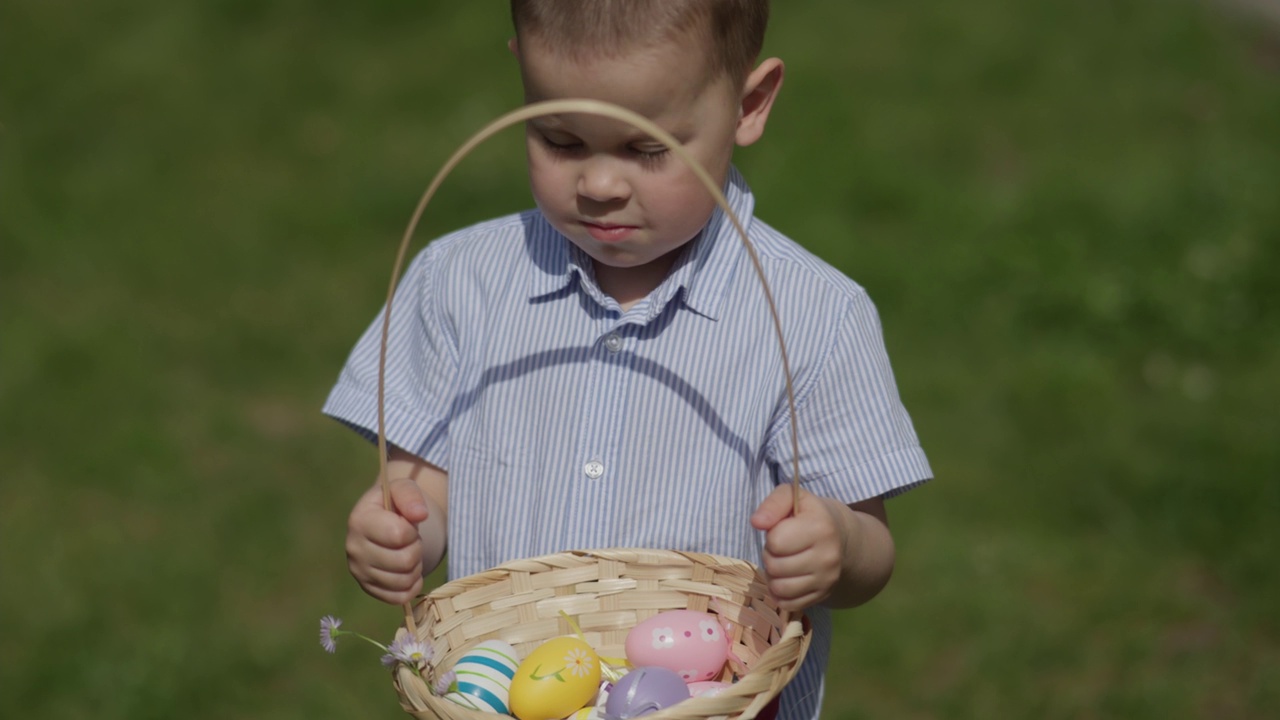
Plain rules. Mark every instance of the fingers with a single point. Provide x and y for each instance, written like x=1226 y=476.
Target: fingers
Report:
x=382 y=528
x=390 y=587
x=391 y=574
x=394 y=528
x=797 y=596
x=364 y=552
x=775 y=508
x=408 y=501
x=384 y=549
x=802 y=553
x=799 y=580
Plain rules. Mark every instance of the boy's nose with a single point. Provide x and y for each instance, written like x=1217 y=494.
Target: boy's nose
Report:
x=600 y=181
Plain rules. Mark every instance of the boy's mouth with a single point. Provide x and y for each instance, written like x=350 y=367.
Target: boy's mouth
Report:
x=604 y=232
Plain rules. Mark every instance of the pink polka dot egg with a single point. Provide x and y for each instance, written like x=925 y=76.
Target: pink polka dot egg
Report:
x=690 y=643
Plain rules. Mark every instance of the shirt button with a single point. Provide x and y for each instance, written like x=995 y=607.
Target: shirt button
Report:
x=594 y=469
x=613 y=342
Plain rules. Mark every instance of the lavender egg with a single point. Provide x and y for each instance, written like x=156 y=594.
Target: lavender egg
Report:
x=644 y=690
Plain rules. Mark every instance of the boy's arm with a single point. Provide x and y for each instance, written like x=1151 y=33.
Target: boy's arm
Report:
x=832 y=553
x=390 y=551
x=869 y=553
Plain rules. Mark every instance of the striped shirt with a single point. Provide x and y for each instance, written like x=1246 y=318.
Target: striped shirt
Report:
x=565 y=422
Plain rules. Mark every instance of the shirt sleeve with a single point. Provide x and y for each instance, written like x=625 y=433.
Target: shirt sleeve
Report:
x=421 y=369
x=856 y=439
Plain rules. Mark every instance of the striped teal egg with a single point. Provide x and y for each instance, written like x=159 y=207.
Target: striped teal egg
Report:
x=484 y=677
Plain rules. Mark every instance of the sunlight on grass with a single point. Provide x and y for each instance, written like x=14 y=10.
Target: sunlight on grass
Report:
x=1065 y=213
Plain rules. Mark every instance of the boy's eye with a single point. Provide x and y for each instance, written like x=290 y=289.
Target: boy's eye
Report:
x=651 y=157
x=560 y=145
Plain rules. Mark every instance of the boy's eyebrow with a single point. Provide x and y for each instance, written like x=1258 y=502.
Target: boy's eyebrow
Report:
x=556 y=123
x=550 y=122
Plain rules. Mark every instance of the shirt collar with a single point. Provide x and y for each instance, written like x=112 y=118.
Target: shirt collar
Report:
x=708 y=266
x=555 y=267
x=703 y=271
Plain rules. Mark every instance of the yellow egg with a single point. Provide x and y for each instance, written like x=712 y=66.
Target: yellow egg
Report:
x=559 y=677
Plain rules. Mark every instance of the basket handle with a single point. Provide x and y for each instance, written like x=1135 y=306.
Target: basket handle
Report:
x=554 y=107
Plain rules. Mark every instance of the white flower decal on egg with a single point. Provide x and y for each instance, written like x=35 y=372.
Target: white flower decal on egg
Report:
x=710 y=630
x=578 y=662
x=664 y=638
x=689 y=675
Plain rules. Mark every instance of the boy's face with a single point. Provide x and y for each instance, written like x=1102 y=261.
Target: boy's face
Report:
x=614 y=192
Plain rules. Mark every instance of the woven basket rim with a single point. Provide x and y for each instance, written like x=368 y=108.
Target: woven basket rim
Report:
x=608 y=553
x=753 y=690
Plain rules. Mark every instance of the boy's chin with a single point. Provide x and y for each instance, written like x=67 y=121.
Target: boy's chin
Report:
x=615 y=261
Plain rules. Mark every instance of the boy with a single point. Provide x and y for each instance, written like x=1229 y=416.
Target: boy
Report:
x=602 y=371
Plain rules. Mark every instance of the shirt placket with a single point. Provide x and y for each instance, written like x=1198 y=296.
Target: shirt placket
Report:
x=602 y=424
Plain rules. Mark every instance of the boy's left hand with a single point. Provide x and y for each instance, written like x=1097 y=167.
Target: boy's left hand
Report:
x=804 y=552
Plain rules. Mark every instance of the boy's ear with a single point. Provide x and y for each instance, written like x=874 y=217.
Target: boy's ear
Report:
x=513 y=46
x=758 y=93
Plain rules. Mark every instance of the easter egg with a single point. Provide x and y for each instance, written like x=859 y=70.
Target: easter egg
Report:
x=709 y=688
x=644 y=690
x=484 y=677
x=595 y=708
x=693 y=644
x=559 y=677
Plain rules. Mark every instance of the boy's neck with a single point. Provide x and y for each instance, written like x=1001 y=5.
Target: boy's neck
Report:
x=630 y=285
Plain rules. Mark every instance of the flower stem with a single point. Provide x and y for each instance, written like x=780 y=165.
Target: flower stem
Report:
x=337 y=632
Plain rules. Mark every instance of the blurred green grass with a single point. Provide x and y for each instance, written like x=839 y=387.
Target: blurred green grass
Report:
x=1067 y=213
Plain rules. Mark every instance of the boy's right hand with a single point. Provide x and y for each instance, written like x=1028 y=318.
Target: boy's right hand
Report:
x=384 y=547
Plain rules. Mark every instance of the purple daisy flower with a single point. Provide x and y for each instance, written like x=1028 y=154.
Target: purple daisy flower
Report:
x=328 y=632
x=410 y=651
x=393 y=652
x=445 y=682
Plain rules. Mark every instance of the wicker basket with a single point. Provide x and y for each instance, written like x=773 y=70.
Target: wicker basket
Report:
x=605 y=592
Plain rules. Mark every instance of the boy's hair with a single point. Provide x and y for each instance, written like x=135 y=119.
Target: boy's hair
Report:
x=732 y=31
